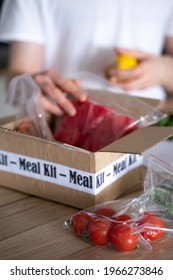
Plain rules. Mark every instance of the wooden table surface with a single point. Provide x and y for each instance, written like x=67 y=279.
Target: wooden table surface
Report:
x=33 y=228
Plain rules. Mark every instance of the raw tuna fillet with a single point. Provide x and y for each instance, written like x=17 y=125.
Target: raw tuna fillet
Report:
x=93 y=127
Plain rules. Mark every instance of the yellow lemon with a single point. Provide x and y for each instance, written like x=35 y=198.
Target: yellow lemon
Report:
x=125 y=62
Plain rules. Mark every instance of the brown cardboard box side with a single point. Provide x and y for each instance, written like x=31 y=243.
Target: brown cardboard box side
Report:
x=36 y=147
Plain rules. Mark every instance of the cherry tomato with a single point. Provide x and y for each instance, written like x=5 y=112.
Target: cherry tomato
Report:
x=123 y=238
x=149 y=220
x=80 y=222
x=98 y=231
x=122 y=218
x=105 y=211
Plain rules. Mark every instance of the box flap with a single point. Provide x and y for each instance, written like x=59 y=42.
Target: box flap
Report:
x=140 y=140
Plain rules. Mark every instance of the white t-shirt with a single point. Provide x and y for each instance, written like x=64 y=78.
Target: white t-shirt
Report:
x=81 y=35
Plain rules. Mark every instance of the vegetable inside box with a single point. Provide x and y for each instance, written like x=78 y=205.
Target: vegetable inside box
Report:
x=73 y=176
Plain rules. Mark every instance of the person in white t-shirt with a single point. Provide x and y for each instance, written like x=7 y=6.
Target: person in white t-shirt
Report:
x=52 y=39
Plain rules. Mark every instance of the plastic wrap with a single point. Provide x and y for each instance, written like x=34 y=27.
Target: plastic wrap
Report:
x=105 y=117
x=94 y=126
x=158 y=186
x=127 y=225
x=24 y=93
x=140 y=111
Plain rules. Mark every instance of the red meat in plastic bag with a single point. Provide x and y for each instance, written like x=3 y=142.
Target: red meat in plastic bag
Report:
x=93 y=127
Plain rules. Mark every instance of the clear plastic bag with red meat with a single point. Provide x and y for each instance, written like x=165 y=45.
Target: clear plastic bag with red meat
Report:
x=126 y=225
x=94 y=126
x=105 y=116
x=24 y=93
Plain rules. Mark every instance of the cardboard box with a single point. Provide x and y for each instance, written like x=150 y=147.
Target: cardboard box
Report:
x=70 y=175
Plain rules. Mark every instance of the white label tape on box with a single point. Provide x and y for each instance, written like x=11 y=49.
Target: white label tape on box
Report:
x=66 y=176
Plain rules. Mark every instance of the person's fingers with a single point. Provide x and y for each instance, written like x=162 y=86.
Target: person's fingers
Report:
x=67 y=85
x=140 y=82
x=51 y=107
x=66 y=105
x=113 y=80
x=50 y=90
x=141 y=70
x=129 y=73
x=149 y=72
x=112 y=72
x=137 y=78
x=139 y=55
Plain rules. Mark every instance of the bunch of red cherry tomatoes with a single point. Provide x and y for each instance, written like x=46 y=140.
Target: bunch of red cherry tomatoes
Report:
x=104 y=228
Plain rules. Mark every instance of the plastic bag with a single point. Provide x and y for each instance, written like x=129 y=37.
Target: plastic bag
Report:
x=94 y=126
x=131 y=224
x=100 y=121
x=96 y=87
x=24 y=93
x=158 y=185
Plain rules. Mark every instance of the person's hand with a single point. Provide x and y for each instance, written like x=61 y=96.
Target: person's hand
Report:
x=151 y=70
x=55 y=89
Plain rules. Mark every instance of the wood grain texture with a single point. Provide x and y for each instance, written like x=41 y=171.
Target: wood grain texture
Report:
x=33 y=228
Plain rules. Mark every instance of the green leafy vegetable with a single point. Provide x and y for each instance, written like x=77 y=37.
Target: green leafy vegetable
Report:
x=163 y=195
x=167 y=121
